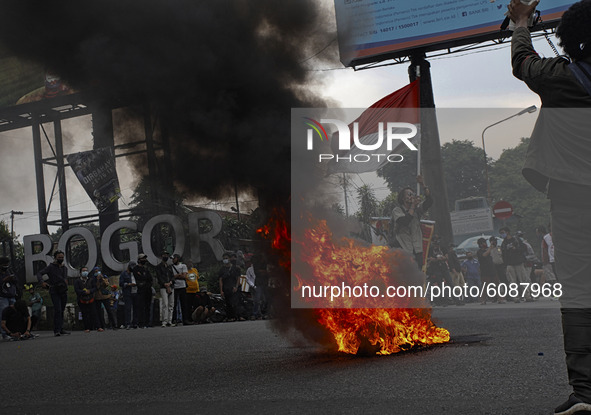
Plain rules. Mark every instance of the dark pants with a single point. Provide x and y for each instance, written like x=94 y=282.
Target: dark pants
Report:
x=144 y=300
x=131 y=305
x=257 y=298
x=88 y=315
x=59 y=306
x=234 y=304
x=180 y=297
x=419 y=259
x=571 y=234
x=101 y=315
x=501 y=271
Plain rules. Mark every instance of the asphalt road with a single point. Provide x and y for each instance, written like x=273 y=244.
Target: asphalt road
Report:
x=503 y=359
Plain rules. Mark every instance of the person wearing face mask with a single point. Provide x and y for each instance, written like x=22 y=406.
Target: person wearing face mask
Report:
x=229 y=279
x=406 y=218
x=514 y=251
x=166 y=281
x=179 y=271
x=8 y=290
x=85 y=288
x=56 y=279
x=129 y=287
x=143 y=279
x=102 y=297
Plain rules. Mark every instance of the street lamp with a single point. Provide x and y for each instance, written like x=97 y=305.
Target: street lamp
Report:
x=528 y=110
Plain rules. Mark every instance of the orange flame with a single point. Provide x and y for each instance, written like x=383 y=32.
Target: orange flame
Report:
x=375 y=330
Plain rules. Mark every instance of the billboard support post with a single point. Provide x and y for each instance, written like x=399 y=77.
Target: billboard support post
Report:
x=38 y=152
x=59 y=158
x=431 y=165
x=103 y=135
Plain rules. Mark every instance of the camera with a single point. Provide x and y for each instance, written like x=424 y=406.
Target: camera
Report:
x=508 y=24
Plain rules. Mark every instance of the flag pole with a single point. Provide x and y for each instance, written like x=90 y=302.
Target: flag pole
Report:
x=418 y=75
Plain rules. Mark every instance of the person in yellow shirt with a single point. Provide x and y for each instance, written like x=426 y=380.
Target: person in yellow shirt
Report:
x=192 y=282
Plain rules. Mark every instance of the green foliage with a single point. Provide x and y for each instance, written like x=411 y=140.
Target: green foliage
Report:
x=507 y=183
x=150 y=198
x=463 y=167
x=209 y=276
x=368 y=204
x=4 y=231
x=338 y=209
x=387 y=205
x=400 y=175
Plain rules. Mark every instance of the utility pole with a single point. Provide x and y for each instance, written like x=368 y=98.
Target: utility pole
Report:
x=12 y=214
x=345 y=189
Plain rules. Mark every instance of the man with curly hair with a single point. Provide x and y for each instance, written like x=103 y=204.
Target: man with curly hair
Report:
x=558 y=162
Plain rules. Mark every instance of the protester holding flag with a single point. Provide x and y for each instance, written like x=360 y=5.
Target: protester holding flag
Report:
x=406 y=218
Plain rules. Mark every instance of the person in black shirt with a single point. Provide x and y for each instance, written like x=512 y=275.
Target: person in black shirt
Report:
x=16 y=321
x=202 y=307
x=229 y=279
x=487 y=268
x=57 y=282
x=143 y=279
x=8 y=283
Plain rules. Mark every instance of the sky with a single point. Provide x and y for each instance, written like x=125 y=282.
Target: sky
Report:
x=480 y=80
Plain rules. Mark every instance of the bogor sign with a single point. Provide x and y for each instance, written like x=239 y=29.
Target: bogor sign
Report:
x=195 y=238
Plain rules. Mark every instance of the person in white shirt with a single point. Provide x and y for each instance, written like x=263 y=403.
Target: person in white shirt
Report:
x=180 y=273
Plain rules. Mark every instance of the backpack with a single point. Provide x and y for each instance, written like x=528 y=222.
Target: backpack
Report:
x=8 y=290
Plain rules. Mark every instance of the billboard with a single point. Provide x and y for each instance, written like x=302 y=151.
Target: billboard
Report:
x=22 y=81
x=374 y=30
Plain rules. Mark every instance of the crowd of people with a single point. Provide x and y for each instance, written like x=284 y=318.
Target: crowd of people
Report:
x=244 y=295
x=512 y=262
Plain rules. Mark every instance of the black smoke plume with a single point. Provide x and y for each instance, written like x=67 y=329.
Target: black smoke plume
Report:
x=222 y=75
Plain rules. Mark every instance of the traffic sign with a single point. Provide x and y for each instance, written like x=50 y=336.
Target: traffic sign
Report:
x=502 y=210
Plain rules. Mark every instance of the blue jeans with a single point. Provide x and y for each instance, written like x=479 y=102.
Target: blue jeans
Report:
x=59 y=306
x=473 y=281
x=131 y=304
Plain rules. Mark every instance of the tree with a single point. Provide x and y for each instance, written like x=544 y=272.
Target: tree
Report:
x=507 y=183
x=12 y=249
x=77 y=250
x=338 y=209
x=402 y=174
x=150 y=198
x=463 y=168
x=368 y=204
x=387 y=205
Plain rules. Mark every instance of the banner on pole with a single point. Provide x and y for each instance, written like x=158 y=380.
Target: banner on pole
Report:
x=95 y=169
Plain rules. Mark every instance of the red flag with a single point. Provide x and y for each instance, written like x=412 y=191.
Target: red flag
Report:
x=401 y=106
